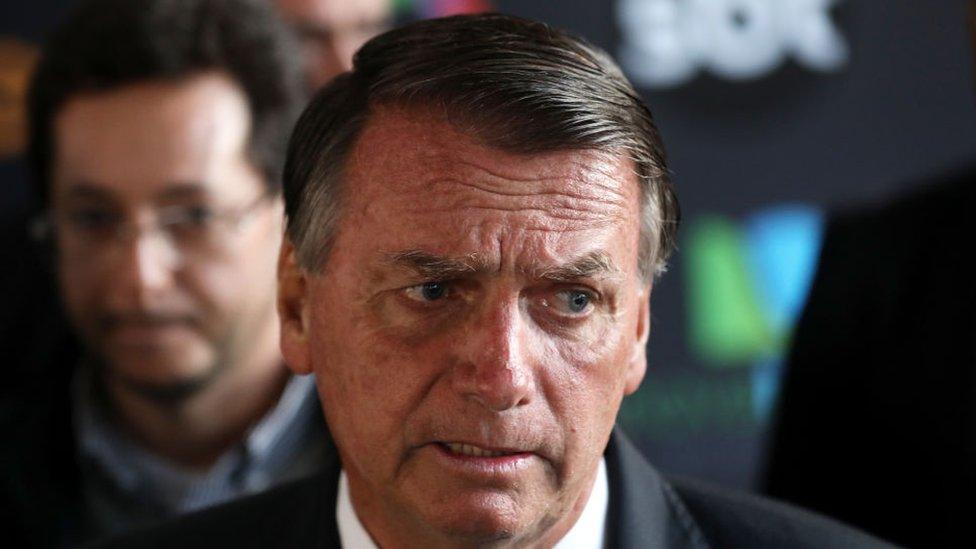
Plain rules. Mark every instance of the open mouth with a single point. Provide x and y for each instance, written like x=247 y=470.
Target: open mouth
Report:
x=471 y=450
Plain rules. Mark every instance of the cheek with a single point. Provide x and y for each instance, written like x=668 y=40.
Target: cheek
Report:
x=86 y=287
x=596 y=364
x=236 y=282
x=79 y=291
x=219 y=293
x=586 y=379
x=369 y=384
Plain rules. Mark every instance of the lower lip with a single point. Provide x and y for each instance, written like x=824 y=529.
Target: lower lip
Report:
x=498 y=465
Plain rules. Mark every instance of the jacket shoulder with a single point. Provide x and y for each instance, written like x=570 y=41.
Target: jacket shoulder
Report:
x=286 y=516
x=736 y=519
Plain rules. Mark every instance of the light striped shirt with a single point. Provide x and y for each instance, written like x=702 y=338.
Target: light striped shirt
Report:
x=124 y=485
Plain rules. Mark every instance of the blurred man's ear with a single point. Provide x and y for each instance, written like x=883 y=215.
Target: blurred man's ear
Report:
x=638 y=359
x=292 y=309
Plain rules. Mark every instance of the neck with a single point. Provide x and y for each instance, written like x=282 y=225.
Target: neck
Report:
x=194 y=431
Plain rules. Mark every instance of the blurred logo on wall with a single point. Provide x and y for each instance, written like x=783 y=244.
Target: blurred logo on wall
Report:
x=16 y=63
x=427 y=9
x=665 y=43
x=746 y=284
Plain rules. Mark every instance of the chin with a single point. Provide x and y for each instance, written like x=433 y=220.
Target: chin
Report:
x=160 y=373
x=483 y=520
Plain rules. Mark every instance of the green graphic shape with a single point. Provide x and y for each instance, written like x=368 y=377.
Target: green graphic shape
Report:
x=727 y=328
x=402 y=6
x=689 y=405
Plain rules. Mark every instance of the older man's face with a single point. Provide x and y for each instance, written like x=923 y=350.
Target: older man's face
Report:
x=473 y=332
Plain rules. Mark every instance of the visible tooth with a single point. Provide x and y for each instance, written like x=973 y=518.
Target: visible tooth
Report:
x=471 y=450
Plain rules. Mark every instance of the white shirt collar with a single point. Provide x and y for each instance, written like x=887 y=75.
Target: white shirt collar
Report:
x=587 y=533
x=352 y=533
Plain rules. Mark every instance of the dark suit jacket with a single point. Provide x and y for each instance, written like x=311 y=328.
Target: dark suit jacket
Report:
x=876 y=418
x=645 y=512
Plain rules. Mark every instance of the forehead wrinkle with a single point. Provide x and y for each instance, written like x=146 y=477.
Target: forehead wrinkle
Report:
x=467 y=163
x=583 y=175
x=567 y=213
x=457 y=195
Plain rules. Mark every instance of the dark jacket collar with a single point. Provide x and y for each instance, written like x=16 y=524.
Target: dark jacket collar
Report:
x=645 y=512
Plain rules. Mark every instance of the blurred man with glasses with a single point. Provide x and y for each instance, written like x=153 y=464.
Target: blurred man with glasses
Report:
x=158 y=136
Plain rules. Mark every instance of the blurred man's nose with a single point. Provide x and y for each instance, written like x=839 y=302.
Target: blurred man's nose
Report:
x=145 y=261
x=495 y=363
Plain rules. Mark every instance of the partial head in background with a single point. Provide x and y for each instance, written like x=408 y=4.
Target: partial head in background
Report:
x=971 y=17
x=331 y=31
x=157 y=143
x=475 y=215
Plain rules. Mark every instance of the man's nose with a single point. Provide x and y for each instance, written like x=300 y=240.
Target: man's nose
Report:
x=146 y=262
x=495 y=368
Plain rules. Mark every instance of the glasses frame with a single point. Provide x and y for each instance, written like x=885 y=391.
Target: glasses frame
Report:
x=43 y=228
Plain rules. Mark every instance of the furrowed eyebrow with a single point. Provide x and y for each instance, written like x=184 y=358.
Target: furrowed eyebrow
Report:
x=593 y=264
x=436 y=267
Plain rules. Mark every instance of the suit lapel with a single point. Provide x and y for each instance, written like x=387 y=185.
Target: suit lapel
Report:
x=644 y=511
x=327 y=530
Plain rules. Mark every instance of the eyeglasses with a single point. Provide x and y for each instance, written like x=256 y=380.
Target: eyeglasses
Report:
x=194 y=230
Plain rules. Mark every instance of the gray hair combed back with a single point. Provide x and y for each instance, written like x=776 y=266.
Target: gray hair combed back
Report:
x=515 y=84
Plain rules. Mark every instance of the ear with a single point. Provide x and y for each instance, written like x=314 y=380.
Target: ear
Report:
x=293 y=309
x=638 y=357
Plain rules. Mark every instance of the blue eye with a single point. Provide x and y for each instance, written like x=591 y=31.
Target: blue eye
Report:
x=576 y=301
x=429 y=292
x=432 y=291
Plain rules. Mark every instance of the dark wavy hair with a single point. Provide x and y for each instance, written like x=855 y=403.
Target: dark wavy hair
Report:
x=107 y=44
x=517 y=85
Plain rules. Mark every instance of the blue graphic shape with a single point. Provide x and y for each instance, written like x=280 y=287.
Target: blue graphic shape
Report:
x=765 y=378
x=783 y=248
